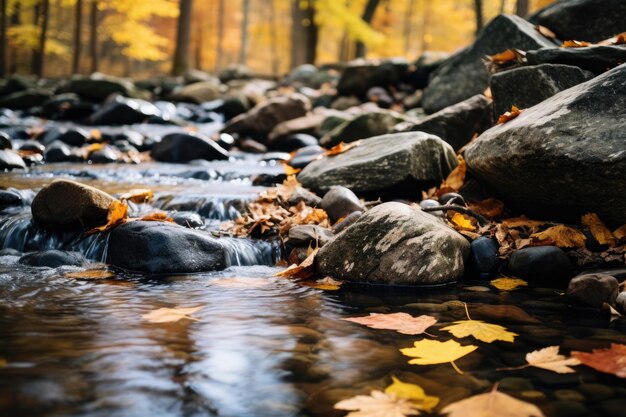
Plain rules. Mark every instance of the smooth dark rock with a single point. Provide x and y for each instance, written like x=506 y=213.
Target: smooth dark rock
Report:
x=347 y=221
x=74 y=137
x=425 y=65
x=16 y=83
x=339 y=202
x=597 y=59
x=123 y=111
x=584 y=20
x=592 y=290
x=580 y=131
x=302 y=194
x=10 y=252
x=156 y=247
x=185 y=147
x=26 y=99
x=464 y=74
x=292 y=142
x=309 y=235
x=358 y=77
x=484 y=256
x=187 y=219
x=33 y=146
x=98 y=86
x=392 y=166
x=395 y=244
x=620 y=302
x=458 y=123
x=106 y=155
x=69 y=204
x=58 y=151
x=9 y=199
x=5 y=141
x=53 y=258
x=304 y=156
x=540 y=82
x=615 y=407
x=546 y=265
x=10 y=160
x=363 y=126
x=452 y=198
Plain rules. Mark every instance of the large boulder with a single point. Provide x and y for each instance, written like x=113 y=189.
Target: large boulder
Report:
x=156 y=247
x=584 y=20
x=185 y=147
x=458 y=123
x=464 y=74
x=25 y=99
x=388 y=166
x=363 y=126
x=596 y=58
x=69 y=204
x=261 y=119
x=360 y=76
x=563 y=157
x=539 y=83
x=398 y=245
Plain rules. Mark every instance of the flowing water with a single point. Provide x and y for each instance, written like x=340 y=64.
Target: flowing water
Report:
x=259 y=346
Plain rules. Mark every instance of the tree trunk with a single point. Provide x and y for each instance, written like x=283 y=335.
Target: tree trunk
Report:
x=521 y=8
x=3 y=37
x=502 y=4
x=425 y=26
x=273 y=38
x=77 y=44
x=183 y=36
x=93 y=35
x=243 y=51
x=478 y=8
x=220 y=36
x=15 y=21
x=312 y=34
x=368 y=14
x=408 y=25
x=41 y=52
x=304 y=33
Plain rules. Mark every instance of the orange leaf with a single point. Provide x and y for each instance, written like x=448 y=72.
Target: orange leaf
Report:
x=91 y=274
x=118 y=211
x=522 y=222
x=341 y=148
x=462 y=222
x=575 y=44
x=456 y=178
x=545 y=32
x=611 y=361
x=490 y=208
x=326 y=284
x=562 y=236
x=620 y=233
x=505 y=56
x=138 y=195
x=510 y=115
x=157 y=216
x=299 y=270
x=289 y=170
x=598 y=229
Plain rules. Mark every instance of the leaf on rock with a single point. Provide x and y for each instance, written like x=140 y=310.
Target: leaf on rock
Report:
x=170 y=315
x=491 y=208
x=289 y=170
x=91 y=274
x=461 y=221
x=456 y=178
x=508 y=284
x=506 y=56
x=303 y=270
x=401 y=322
x=561 y=236
x=413 y=393
x=118 y=211
x=549 y=358
x=619 y=39
x=432 y=352
x=598 y=229
x=480 y=330
x=523 y=222
x=341 y=148
x=545 y=32
x=510 y=115
x=326 y=284
x=157 y=216
x=611 y=360
x=138 y=195
x=575 y=44
x=492 y=404
x=377 y=404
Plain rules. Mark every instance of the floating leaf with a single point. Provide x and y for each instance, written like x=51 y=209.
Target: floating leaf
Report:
x=575 y=44
x=170 y=315
x=138 y=195
x=462 y=222
x=301 y=269
x=401 y=322
x=492 y=404
x=118 y=211
x=480 y=330
x=341 y=148
x=510 y=115
x=549 y=358
x=561 y=236
x=431 y=352
x=611 y=360
x=413 y=393
x=377 y=404
x=91 y=274
x=598 y=229
x=241 y=283
x=326 y=284
x=508 y=284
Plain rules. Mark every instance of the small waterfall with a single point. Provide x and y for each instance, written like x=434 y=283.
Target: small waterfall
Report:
x=208 y=206
x=246 y=252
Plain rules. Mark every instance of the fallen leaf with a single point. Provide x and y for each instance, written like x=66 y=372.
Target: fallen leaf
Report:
x=619 y=39
x=545 y=32
x=170 y=315
x=138 y=195
x=480 y=330
x=575 y=44
x=561 y=236
x=341 y=148
x=289 y=170
x=598 y=229
x=118 y=211
x=298 y=270
x=611 y=360
x=431 y=352
x=91 y=274
x=549 y=358
x=620 y=233
x=401 y=322
x=157 y=216
x=505 y=56
x=491 y=208
x=413 y=393
x=326 y=284
x=462 y=222
x=456 y=177
x=516 y=222
x=510 y=115
x=508 y=284
x=377 y=404
x=492 y=404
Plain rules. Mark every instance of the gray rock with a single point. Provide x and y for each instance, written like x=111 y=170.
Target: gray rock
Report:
x=349 y=220
x=458 y=123
x=388 y=166
x=304 y=156
x=9 y=160
x=620 y=302
x=58 y=151
x=584 y=20
x=339 y=202
x=592 y=290
x=198 y=92
x=363 y=126
x=25 y=99
x=309 y=234
x=540 y=82
x=70 y=204
x=187 y=219
x=99 y=86
x=120 y=110
x=547 y=265
x=185 y=147
x=9 y=198
x=464 y=74
x=302 y=194
x=597 y=59
x=360 y=76
x=395 y=244
x=561 y=157
x=53 y=258
x=156 y=247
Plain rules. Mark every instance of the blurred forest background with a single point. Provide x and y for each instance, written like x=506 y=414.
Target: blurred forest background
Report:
x=140 y=38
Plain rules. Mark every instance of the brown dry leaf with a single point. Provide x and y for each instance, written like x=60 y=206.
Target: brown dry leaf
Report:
x=341 y=148
x=598 y=229
x=301 y=270
x=461 y=221
x=492 y=404
x=575 y=44
x=377 y=404
x=510 y=115
x=545 y=32
x=326 y=284
x=170 y=315
x=491 y=208
x=620 y=232
x=505 y=56
x=516 y=222
x=289 y=170
x=561 y=236
x=118 y=211
x=456 y=178
x=157 y=216
x=549 y=358
x=508 y=284
x=138 y=195
x=401 y=322
x=91 y=274
x=611 y=360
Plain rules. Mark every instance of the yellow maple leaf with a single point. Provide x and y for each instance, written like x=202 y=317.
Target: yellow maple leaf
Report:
x=413 y=393
x=492 y=404
x=480 y=330
x=549 y=358
x=462 y=222
x=118 y=211
x=432 y=352
x=508 y=284
x=170 y=315
x=598 y=229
